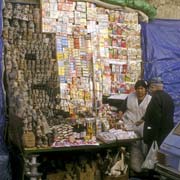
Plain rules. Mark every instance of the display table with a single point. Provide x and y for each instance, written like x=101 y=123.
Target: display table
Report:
x=32 y=153
x=123 y=142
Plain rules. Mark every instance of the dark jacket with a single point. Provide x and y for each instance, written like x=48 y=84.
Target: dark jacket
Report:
x=158 y=118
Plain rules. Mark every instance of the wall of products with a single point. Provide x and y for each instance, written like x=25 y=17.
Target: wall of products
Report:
x=61 y=57
x=98 y=51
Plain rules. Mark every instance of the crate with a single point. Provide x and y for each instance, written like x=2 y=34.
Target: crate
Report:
x=168 y=160
x=161 y=157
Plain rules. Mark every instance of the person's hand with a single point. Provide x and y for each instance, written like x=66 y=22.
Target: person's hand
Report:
x=138 y=123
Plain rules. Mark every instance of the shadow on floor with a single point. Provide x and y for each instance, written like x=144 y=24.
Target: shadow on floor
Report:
x=148 y=175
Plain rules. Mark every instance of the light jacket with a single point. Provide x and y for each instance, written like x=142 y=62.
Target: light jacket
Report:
x=135 y=112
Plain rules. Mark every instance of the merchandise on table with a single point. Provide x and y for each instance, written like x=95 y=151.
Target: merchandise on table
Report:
x=83 y=130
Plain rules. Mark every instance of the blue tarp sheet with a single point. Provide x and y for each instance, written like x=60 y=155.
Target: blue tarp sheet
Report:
x=1 y=4
x=161 y=55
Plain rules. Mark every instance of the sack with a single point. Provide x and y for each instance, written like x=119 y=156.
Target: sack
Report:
x=137 y=157
x=151 y=158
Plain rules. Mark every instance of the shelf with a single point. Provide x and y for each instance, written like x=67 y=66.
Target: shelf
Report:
x=121 y=62
x=117 y=35
x=24 y=1
x=134 y=61
x=117 y=47
x=116 y=61
x=118 y=96
x=123 y=142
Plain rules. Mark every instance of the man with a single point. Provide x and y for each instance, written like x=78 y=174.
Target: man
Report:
x=159 y=114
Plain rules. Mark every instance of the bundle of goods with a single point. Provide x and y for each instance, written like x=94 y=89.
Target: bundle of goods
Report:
x=81 y=132
x=31 y=71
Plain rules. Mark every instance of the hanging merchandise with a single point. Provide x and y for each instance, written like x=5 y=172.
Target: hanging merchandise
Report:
x=31 y=72
x=56 y=78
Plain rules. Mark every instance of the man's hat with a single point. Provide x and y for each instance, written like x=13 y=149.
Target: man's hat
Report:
x=156 y=81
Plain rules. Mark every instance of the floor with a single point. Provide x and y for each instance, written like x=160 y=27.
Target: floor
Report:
x=148 y=175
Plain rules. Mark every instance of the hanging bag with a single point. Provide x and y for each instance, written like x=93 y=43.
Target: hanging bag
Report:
x=151 y=158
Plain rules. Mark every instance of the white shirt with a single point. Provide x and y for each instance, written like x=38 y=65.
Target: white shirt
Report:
x=135 y=112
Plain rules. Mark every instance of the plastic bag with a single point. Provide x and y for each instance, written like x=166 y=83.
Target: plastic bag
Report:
x=151 y=158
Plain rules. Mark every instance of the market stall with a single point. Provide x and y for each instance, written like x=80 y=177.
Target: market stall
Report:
x=66 y=68
x=61 y=58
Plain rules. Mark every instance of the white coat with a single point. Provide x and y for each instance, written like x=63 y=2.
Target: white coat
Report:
x=135 y=112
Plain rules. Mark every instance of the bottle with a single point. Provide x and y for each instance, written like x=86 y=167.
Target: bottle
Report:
x=83 y=131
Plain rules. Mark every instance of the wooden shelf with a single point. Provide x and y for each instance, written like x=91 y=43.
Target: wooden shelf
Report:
x=123 y=142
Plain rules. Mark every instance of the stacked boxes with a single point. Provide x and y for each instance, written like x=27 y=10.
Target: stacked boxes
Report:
x=98 y=51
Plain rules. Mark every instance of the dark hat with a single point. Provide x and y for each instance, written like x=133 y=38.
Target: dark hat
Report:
x=141 y=83
x=156 y=81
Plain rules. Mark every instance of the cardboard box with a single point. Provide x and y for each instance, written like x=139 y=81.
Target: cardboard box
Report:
x=121 y=177
x=56 y=176
x=86 y=175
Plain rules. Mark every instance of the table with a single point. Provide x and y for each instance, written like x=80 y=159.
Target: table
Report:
x=123 y=142
x=32 y=153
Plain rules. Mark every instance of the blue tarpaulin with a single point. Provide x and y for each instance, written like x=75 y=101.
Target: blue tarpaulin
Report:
x=161 y=55
x=1 y=4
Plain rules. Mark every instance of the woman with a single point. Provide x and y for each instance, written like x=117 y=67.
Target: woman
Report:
x=132 y=112
x=134 y=107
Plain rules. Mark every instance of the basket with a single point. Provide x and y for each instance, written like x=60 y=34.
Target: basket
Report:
x=28 y=139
